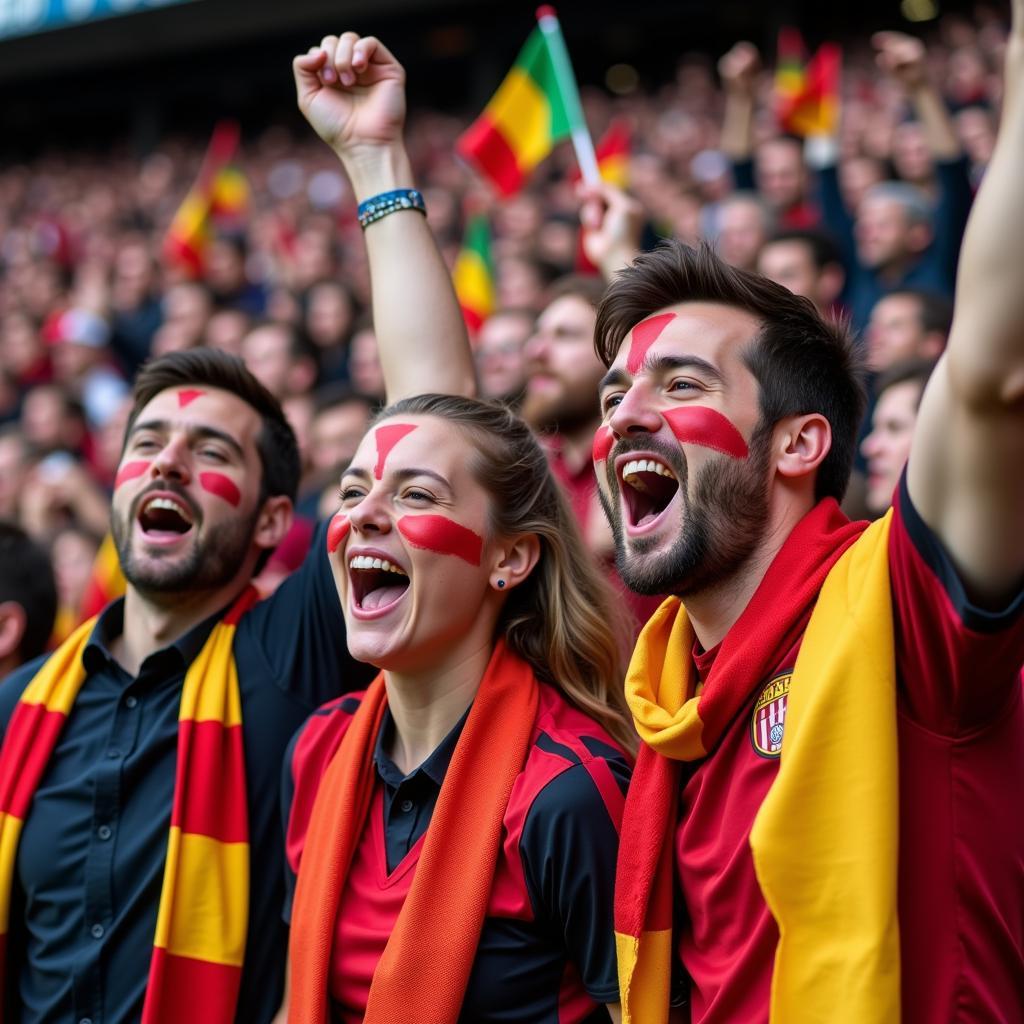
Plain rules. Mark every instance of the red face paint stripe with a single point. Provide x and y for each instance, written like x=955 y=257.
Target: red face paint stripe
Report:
x=442 y=535
x=645 y=334
x=129 y=471
x=707 y=427
x=187 y=395
x=387 y=438
x=222 y=486
x=337 y=532
x=603 y=441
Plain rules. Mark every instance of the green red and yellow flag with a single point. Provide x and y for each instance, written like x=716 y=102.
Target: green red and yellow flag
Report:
x=220 y=193
x=473 y=273
x=535 y=107
x=807 y=94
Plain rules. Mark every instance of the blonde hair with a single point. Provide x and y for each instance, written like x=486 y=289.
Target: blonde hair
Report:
x=563 y=618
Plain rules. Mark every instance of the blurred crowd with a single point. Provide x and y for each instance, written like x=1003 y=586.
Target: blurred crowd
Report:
x=866 y=224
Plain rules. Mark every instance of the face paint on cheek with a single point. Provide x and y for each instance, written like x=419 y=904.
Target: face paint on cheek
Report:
x=337 y=532
x=386 y=438
x=187 y=395
x=645 y=334
x=707 y=427
x=603 y=441
x=442 y=536
x=129 y=471
x=222 y=486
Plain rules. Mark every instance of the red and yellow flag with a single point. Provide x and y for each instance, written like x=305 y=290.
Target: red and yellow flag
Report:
x=106 y=581
x=220 y=192
x=473 y=273
x=807 y=94
x=529 y=113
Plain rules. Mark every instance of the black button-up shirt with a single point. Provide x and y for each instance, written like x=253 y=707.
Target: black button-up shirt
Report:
x=91 y=858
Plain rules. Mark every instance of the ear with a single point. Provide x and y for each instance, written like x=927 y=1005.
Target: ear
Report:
x=273 y=522
x=13 y=621
x=802 y=442
x=514 y=561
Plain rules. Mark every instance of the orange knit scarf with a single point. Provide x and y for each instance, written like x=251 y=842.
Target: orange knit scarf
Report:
x=203 y=915
x=439 y=926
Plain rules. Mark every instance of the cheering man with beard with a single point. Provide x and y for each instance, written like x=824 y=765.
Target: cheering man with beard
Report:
x=832 y=715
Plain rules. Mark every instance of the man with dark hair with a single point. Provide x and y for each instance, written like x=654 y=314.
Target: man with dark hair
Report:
x=807 y=262
x=831 y=713
x=28 y=598
x=909 y=323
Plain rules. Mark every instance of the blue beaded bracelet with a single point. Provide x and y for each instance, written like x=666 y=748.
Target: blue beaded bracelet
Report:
x=376 y=207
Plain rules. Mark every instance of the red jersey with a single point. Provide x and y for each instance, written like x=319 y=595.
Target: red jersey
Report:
x=961 y=760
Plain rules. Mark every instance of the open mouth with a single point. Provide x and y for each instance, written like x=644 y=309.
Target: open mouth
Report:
x=376 y=583
x=164 y=515
x=648 y=487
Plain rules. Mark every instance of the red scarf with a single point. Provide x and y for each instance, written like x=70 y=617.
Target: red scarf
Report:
x=422 y=975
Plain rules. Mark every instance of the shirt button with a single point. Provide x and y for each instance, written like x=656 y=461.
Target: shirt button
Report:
x=130 y=702
x=104 y=832
x=406 y=805
x=113 y=753
x=96 y=931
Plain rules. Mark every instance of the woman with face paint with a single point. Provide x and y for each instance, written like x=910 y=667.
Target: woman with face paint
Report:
x=454 y=829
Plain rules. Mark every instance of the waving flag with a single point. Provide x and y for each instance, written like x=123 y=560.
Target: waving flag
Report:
x=536 y=106
x=807 y=95
x=474 y=273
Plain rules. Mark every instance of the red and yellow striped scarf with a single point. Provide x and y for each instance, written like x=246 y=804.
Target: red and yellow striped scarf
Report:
x=201 y=927
x=422 y=975
x=838 y=953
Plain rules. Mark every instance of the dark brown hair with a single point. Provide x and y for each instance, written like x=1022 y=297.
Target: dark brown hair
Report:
x=278 y=451
x=563 y=619
x=803 y=363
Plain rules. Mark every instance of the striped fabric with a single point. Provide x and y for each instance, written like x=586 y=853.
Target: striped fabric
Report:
x=204 y=903
x=473 y=273
x=106 y=581
x=677 y=724
x=526 y=117
x=428 y=958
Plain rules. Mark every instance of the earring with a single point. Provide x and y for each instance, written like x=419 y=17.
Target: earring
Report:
x=501 y=584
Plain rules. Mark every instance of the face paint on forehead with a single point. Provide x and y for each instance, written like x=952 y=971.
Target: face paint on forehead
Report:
x=337 y=532
x=603 y=441
x=707 y=427
x=386 y=438
x=129 y=471
x=442 y=536
x=222 y=486
x=187 y=395
x=645 y=334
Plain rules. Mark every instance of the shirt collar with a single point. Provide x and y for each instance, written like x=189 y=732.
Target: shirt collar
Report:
x=435 y=767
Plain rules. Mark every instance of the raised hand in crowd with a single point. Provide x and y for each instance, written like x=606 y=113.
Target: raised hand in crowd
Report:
x=351 y=89
x=738 y=70
x=612 y=221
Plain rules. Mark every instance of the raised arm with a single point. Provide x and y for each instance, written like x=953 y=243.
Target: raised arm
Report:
x=351 y=89
x=738 y=70
x=966 y=470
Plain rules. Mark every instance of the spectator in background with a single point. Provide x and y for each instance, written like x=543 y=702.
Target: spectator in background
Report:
x=28 y=598
x=887 y=447
x=907 y=324
x=225 y=330
x=328 y=320
x=744 y=223
x=53 y=421
x=500 y=354
x=808 y=263
x=225 y=276
x=135 y=308
x=73 y=551
x=280 y=358
x=187 y=306
x=364 y=369
x=14 y=465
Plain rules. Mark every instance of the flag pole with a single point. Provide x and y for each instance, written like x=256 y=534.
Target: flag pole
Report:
x=582 y=143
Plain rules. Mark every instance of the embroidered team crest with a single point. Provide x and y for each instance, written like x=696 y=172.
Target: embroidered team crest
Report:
x=766 y=727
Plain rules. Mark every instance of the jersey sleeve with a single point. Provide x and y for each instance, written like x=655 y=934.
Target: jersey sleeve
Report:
x=958 y=665
x=301 y=632
x=309 y=753
x=569 y=845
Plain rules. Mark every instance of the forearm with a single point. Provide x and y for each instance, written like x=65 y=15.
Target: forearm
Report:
x=939 y=131
x=738 y=126
x=416 y=316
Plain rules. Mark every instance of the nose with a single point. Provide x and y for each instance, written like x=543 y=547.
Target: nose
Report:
x=536 y=347
x=172 y=462
x=371 y=516
x=869 y=446
x=635 y=414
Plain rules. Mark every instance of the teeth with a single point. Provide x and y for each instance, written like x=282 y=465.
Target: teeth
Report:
x=368 y=562
x=646 y=466
x=173 y=506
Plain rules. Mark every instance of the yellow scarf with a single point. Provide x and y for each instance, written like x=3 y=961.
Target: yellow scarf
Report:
x=824 y=842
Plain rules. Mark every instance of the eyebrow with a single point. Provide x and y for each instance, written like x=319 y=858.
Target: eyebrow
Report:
x=658 y=365
x=400 y=474
x=200 y=432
